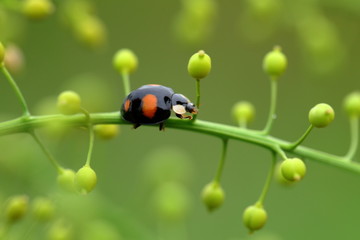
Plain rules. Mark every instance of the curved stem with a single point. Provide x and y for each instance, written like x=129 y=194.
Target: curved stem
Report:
x=272 y=115
x=126 y=83
x=91 y=136
x=301 y=139
x=20 y=125
x=16 y=89
x=265 y=190
x=47 y=153
x=222 y=160
x=354 y=133
x=91 y=145
x=197 y=104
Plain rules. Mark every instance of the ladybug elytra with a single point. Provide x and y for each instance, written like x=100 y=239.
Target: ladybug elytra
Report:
x=152 y=104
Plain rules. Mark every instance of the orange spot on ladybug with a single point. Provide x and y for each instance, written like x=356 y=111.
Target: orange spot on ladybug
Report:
x=149 y=105
x=127 y=105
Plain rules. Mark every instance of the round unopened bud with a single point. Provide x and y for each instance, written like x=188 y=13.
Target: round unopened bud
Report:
x=2 y=53
x=66 y=180
x=280 y=177
x=16 y=208
x=172 y=202
x=125 y=61
x=254 y=217
x=293 y=169
x=106 y=131
x=60 y=230
x=352 y=104
x=243 y=112
x=38 y=9
x=85 y=179
x=213 y=195
x=275 y=62
x=321 y=115
x=199 y=65
x=14 y=58
x=69 y=102
x=91 y=31
x=43 y=209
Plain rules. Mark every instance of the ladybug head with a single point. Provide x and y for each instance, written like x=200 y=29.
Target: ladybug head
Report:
x=181 y=104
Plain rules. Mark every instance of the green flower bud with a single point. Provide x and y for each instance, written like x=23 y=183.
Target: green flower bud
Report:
x=280 y=177
x=2 y=53
x=66 y=180
x=14 y=58
x=85 y=179
x=171 y=202
x=199 y=65
x=90 y=31
x=38 y=9
x=321 y=115
x=125 y=61
x=293 y=169
x=243 y=112
x=16 y=208
x=275 y=62
x=352 y=104
x=60 y=230
x=106 y=131
x=213 y=195
x=254 y=217
x=69 y=103
x=43 y=209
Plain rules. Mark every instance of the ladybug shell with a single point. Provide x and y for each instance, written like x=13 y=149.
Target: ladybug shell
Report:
x=149 y=104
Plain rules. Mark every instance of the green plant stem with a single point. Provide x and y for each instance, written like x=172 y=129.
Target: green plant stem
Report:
x=301 y=139
x=222 y=160
x=272 y=115
x=21 y=125
x=270 y=175
x=354 y=138
x=91 y=136
x=197 y=97
x=126 y=83
x=16 y=89
x=47 y=153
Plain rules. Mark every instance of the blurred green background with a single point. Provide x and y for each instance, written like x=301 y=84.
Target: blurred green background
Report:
x=141 y=168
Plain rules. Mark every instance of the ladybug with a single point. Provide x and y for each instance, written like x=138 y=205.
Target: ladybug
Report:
x=152 y=104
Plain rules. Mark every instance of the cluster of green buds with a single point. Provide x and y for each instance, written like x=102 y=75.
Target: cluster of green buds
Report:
x=17 y=208
x=85 y=179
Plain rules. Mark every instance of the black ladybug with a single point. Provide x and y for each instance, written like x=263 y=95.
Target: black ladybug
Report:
x=152 y=104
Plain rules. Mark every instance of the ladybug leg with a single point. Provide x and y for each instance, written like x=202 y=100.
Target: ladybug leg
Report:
x=183 y=116
x=136 y=125
x=162 y=126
